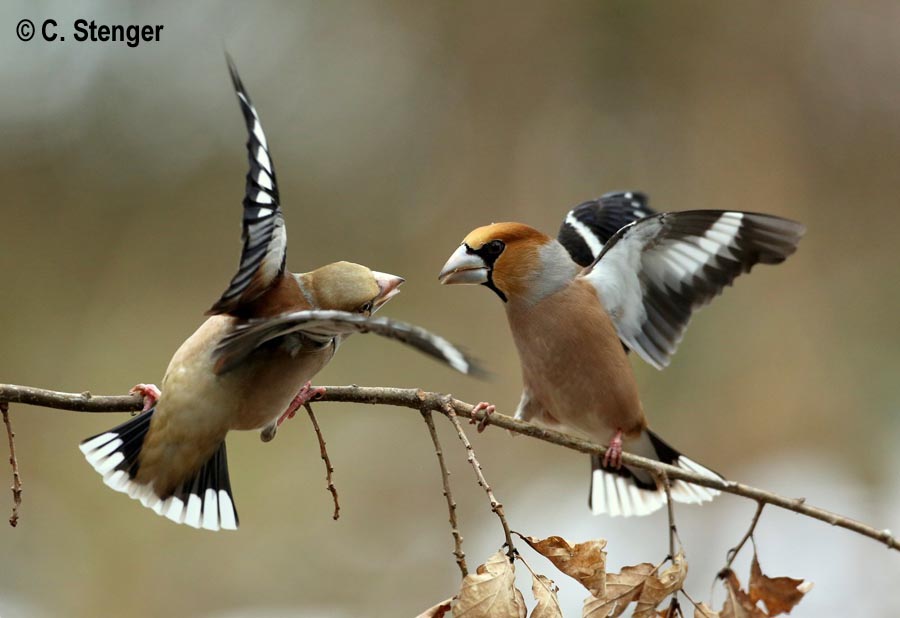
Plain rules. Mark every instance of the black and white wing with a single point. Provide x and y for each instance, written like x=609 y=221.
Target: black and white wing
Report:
x=264 y=235
x=590 y=225
x=653 y=273
x=319 y=326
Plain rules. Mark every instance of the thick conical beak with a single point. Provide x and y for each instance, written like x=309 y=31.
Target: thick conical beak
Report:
x=389 y=286
x=464 y=267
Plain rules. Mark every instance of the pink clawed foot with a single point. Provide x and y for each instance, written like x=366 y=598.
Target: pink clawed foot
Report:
x=149 y=392
x=488 y=409
x=307 y=393
x=613 y=456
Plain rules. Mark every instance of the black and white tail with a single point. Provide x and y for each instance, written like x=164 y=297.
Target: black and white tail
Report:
x=202 y=501
x=633 y=491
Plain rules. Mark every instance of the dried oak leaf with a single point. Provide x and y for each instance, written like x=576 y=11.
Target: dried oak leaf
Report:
x=658 y=586
x=438 y=611
x=490 y=592
x=780 y=594
x=705 y=611
x=585 y=562
x=621 y=589
x=544 y=591
x=738 y=604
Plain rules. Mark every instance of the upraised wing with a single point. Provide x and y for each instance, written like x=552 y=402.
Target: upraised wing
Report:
x=264 y=234
x=653 y=273
x=318 y=327
x=590 y=225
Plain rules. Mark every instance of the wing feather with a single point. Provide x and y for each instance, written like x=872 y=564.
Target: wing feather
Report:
x=653 y=273
x=317 y=327
x=264 y=233
x=591 y=224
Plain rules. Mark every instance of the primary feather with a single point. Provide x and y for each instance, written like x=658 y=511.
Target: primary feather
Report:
x=655 y=272
x=264 y=232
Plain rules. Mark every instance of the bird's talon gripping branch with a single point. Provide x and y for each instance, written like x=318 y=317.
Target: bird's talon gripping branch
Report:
x=613 y=456
x=307 y=393
x=150 y=393
x=488 y=409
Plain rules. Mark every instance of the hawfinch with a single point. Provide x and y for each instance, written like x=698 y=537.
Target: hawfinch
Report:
x=618 y=277
x=269 y=333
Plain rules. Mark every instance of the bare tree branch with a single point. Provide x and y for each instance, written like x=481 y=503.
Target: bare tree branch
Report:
x=451 y=503
x=418 y=400
x=670 y=511
x=17 y=481
x=74 y=402
x=329 y=469
x=496 y=506
x=733 y=552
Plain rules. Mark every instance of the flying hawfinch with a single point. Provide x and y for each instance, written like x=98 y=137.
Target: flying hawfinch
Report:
x=618 y=272
x=269 y=333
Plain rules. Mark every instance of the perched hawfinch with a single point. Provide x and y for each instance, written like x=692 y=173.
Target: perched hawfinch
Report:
x=617 y=274
x=269 y=333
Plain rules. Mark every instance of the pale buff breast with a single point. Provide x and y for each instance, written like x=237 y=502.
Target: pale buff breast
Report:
x=197 y=407
x=573 y=362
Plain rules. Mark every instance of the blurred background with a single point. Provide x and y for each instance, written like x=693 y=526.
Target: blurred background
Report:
x=397 y=127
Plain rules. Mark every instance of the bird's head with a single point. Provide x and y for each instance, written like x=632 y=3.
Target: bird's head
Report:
x=345 y=286
x=505 y=257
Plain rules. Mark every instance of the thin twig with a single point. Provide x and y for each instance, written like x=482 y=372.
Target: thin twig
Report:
x=418 y=399
x=17 y=481
x=733 y=552
x=329 y=469
x=451 y=503
x=670 y=509
x=674 y=609
x=496 y=506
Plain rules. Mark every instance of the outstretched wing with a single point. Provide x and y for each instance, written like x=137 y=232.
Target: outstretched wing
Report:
x=264 y=235
x=590 y=225
x=653 y=273
x=319 y=326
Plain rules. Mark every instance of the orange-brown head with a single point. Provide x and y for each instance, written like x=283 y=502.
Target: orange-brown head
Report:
x=505 y=257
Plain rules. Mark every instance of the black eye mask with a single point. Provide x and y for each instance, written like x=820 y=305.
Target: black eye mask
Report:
x=489 y=252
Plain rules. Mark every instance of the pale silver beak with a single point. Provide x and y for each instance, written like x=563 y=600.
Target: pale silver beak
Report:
x=389 y=286
x=464 y=267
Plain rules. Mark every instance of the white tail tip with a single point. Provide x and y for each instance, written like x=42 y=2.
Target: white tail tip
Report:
x=616 y=495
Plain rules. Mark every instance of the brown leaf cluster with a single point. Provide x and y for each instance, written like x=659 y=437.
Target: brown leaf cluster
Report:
x=491 y=592
x=643 y=584
x=611 y=593
x=779 y=595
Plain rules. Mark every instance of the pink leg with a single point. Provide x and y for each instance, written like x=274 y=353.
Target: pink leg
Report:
x=488 y=410
x=149 y=392
x=307 y=393
x=613 y=456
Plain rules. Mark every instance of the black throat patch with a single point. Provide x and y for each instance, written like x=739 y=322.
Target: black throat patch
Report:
x=489 y=254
